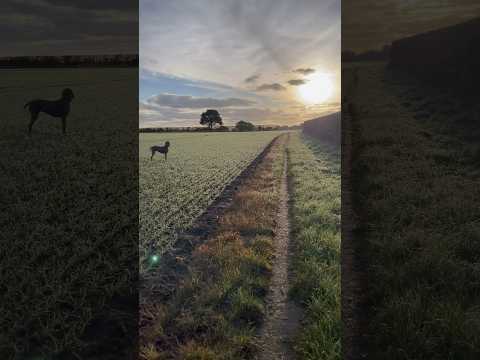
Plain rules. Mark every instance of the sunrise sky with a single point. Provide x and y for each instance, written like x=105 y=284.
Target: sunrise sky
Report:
x=268 y=62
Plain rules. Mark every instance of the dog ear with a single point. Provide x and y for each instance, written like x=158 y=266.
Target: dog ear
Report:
x=67 y=92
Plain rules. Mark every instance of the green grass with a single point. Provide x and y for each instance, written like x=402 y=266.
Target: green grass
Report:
x=68 y=214
x=216 y=311
x=416 y=185
x=174 y=193
x=314 y=173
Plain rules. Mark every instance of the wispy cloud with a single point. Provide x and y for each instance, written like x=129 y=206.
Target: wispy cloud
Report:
x=226 y=41
x=191 y=102
x=304 y=71
x=252 y=79
x=297 y=82
x=273 y=87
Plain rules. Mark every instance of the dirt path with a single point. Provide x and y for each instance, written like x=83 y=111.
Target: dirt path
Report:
x=283 y=316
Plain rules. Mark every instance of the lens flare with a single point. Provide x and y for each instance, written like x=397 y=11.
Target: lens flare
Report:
x=317 y=89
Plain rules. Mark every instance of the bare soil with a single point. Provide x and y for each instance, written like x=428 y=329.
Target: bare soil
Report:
x=283 y=316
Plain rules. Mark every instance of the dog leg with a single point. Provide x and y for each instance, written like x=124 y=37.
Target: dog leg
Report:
x=33 y=118
x=64 y=125
x=151 y=157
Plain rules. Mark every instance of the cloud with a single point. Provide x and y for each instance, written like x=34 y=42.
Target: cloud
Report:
x=250 y=54
x=57 y=27
x=274 y=87
x=253 y=37
x=252 y=78
x=191 y=102
x=304 y=71
x=297 y=82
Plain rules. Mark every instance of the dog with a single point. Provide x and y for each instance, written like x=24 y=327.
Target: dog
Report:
x=161 y=149
x=57 y=108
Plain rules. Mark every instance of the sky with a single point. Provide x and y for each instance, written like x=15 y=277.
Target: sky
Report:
x=265 y=61
x=68 y=27
x=371 y=24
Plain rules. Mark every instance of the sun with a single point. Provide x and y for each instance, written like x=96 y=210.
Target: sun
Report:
x=317 y=89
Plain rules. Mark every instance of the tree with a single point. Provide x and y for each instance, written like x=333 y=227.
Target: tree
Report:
x=210 y=118
x=244 y=126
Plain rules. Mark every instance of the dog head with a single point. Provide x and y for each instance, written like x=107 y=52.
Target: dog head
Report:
x=67 y=94
x=167 y=144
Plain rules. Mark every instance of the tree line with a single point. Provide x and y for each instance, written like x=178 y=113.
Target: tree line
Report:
x=123 y=60
x=213 y=121
x=216 y=129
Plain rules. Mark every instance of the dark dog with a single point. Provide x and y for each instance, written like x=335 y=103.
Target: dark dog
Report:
x=160 y=149
x=57 y=108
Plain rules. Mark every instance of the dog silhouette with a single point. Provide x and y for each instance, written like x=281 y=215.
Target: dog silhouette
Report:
x=56 y=108
x=160 y=149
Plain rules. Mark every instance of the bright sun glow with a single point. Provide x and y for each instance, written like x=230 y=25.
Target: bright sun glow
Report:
x=317 y=89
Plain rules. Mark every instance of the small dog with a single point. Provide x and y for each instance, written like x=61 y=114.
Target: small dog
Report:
x=160 y=149
x=57 y=108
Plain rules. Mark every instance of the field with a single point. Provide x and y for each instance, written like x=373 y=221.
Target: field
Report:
x=226 y=302
x=415 y=179
x=175 y=192
x=70 y=226
x=68 y=220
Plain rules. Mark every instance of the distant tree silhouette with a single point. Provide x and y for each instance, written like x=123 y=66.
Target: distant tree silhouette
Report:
x=244 y=126
x=69 y=61
x=210 y=118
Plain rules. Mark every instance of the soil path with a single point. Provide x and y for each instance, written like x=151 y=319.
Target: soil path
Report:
x=282 y=315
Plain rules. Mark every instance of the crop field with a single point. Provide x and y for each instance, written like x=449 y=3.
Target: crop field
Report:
x=219 y=301
x=68 y=214
x=415 y=179
x=174 y=192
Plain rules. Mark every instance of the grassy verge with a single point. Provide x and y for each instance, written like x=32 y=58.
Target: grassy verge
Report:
x=216 y=311
x=418 y=198
x=314 y=173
